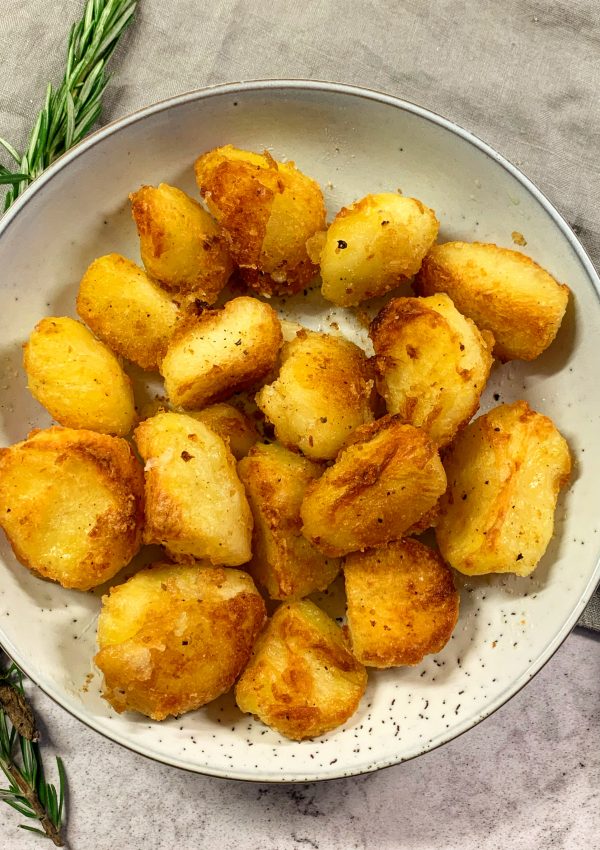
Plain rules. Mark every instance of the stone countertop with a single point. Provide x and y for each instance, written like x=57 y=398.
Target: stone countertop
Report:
x=527 y=778
x=524 y=76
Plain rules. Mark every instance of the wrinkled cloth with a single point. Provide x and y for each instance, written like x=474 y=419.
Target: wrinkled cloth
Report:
x=523 y=75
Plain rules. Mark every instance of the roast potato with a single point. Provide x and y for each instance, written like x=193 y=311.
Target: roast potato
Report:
x=503 y=291
x=283 y=560
x=267 y=210
x=195 y=504
x=386 y=480
x=504 y=474
x=71 y=505
x=127 y=310
x=231 y=424
x=220 y=352
x=180 y=243
x=173 y=638
x=372 y=246
x=321 y=395
x=432 y=364
x=402 y=603
x=302 y=679
x=78 y=379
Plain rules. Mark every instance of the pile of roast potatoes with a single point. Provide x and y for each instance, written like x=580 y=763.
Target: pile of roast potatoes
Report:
x=280 y=456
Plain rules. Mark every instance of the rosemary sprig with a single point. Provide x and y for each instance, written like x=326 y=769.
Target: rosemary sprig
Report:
x=71 y=111
x=21 y=762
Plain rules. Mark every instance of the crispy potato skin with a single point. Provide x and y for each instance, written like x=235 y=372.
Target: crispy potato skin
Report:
x=402 y=603
x=380 y=485
x=180 y=243
x=302 y=679
x=373 y=246
x=283 y=560
x=173 y=638
x=127 y=310
x=78 y=379
x=231 y=424
x=321 y=395
x=503 y=291
x=195 y=503
x=267 y=211
x=220 y=352
x=432 y=364
x=504 y=472
x=71 y=505
x=238 y=188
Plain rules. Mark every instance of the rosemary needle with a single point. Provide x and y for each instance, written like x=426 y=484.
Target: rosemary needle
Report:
x=70 y=112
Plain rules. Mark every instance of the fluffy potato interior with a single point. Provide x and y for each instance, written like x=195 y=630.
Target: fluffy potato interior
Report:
x=195 y=503
x=221 y=352
x=77 y=378
x=373 y=245
x=504 y=474
x=432 y=364
x=402 y=604
x=379 y=486
x=321 y=395
x=283 y=560
x=180 y=243
x=503 y=291
x=71 y=504
x=173 y=638
x=267 y=211
x=127 y=310
x=302 y=680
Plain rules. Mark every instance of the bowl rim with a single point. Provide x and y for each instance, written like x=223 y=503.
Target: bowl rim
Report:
x=266 y=85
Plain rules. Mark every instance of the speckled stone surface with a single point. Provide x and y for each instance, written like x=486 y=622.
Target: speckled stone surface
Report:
x=524 y=76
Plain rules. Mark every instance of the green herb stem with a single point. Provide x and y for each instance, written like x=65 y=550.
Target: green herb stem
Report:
x=70 y=112
x=21 y=762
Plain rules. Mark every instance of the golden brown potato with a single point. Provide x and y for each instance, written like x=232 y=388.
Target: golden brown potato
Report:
x=231 y=424
x=321 y=395
x=372 y=246
x=195 y=503
x=77 y=378
x=220 y=352
x=302 y=679
x=267 y=210
x=504 y=474
x=180 y=243
x=173 y=638
x=432 y=364
x=379 y=486
x=503 y=291
x=71 y=505
x=402 y=603
x=283 y=560
x=127 y=310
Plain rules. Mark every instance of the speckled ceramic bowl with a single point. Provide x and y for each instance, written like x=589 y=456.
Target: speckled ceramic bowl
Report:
x=354 y=142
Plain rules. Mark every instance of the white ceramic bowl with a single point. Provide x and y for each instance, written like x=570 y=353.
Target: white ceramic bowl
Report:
x=354 y=142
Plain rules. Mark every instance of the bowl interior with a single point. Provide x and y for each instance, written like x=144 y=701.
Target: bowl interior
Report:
x=353 y=143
